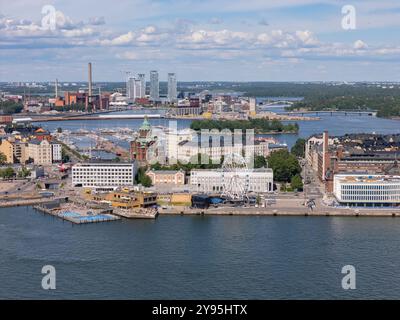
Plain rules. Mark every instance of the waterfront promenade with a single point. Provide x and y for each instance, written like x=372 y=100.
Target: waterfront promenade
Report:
x=285 y=207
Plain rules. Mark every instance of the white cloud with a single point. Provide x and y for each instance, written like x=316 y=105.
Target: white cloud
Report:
x=359 y=45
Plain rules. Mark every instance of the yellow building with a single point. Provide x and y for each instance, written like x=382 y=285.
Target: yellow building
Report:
x=175 y=199
x=127 y=200
x=7 y=148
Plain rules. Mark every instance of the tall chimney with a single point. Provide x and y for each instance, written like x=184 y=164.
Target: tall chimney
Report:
x=325 y=154
x=56 y=88
x=90 y=79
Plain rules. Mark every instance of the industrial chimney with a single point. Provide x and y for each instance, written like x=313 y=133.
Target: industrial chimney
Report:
x=325 y=154
x=90 y=79
x=56 y=85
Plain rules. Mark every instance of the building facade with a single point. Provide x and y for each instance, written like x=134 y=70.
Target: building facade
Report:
x=213 y=181
x=367 y=190
x=40 y=152
x=104 y=176
x=57 y=152
x=142 y=79
x=172 y=177
x=7 y=148
x=154 y=86
x=172 y=88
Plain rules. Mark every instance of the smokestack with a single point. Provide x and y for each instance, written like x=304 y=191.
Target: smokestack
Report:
x=90 y=79
x=56 y=88
x=325 y=154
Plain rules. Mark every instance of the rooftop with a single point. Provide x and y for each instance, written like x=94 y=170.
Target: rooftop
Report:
x=367 y=178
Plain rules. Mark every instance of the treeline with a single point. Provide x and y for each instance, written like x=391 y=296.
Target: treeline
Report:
x=386 y=106
x=259 y=125
x=73 y=107
x=10 y=107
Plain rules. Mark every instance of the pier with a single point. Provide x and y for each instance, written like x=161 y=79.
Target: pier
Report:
x=284 y=208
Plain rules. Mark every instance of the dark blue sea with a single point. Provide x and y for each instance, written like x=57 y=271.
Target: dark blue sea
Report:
x=199 y=257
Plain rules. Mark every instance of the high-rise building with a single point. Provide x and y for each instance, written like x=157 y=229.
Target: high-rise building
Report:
x=136 y=87
x=154 y=86
x=142 y=79
x=172 y=88
x=130 y=88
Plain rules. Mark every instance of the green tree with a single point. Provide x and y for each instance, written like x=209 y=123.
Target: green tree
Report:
x=284 y=165
x=10 y=107
x=143 y=178
x=25 y=172
x=297 y=183
x=3 y=158
x=299 y=148
x=64 y=155
x=260 y=162
x=7 y=173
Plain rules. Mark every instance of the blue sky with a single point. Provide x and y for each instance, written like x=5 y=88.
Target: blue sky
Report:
x=247 y=40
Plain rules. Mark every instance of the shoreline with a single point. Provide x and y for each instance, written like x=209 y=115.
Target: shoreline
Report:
x=284 y=212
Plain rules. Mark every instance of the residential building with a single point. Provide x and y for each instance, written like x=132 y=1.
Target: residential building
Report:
x=154 y=86
x=368 y=154
x=142 y=79
x=104 y=175
x=131 y=89
x=56 y=152
x=173 y=177
x=187 y=107
x=7 y=148
x=367 y=190
x=40 y=152
x=21 y=154
x=172 y=88
x=213 y=181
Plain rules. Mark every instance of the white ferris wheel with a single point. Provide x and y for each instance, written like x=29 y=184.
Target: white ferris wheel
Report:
x=234 y=177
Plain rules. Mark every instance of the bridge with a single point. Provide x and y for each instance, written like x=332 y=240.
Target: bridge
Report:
x=371 y=113
x=274 y=103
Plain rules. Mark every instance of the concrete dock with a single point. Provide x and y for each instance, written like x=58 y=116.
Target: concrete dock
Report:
x=287 y=212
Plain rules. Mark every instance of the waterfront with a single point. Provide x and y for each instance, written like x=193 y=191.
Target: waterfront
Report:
x=199 y=257
x=337 y=125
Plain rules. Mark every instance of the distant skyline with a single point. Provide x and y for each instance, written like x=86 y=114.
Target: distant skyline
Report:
x=225 y=40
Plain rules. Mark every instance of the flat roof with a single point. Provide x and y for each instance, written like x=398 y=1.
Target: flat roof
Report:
x=365 y=178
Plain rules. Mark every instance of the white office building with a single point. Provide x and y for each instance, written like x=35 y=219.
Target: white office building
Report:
x=367 y=190
x=154 y=86
x=104 y=176
x=213 y=181
x=172 y=88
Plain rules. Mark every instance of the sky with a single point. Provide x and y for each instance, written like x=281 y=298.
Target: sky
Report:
x=207 y=40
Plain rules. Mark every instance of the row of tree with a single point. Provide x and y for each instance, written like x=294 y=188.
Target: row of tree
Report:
x=10 y=107
x=259 y=125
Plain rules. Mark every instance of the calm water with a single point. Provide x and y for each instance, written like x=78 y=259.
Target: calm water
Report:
x=199 y=257
x=337 y=125
x=204 y=257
